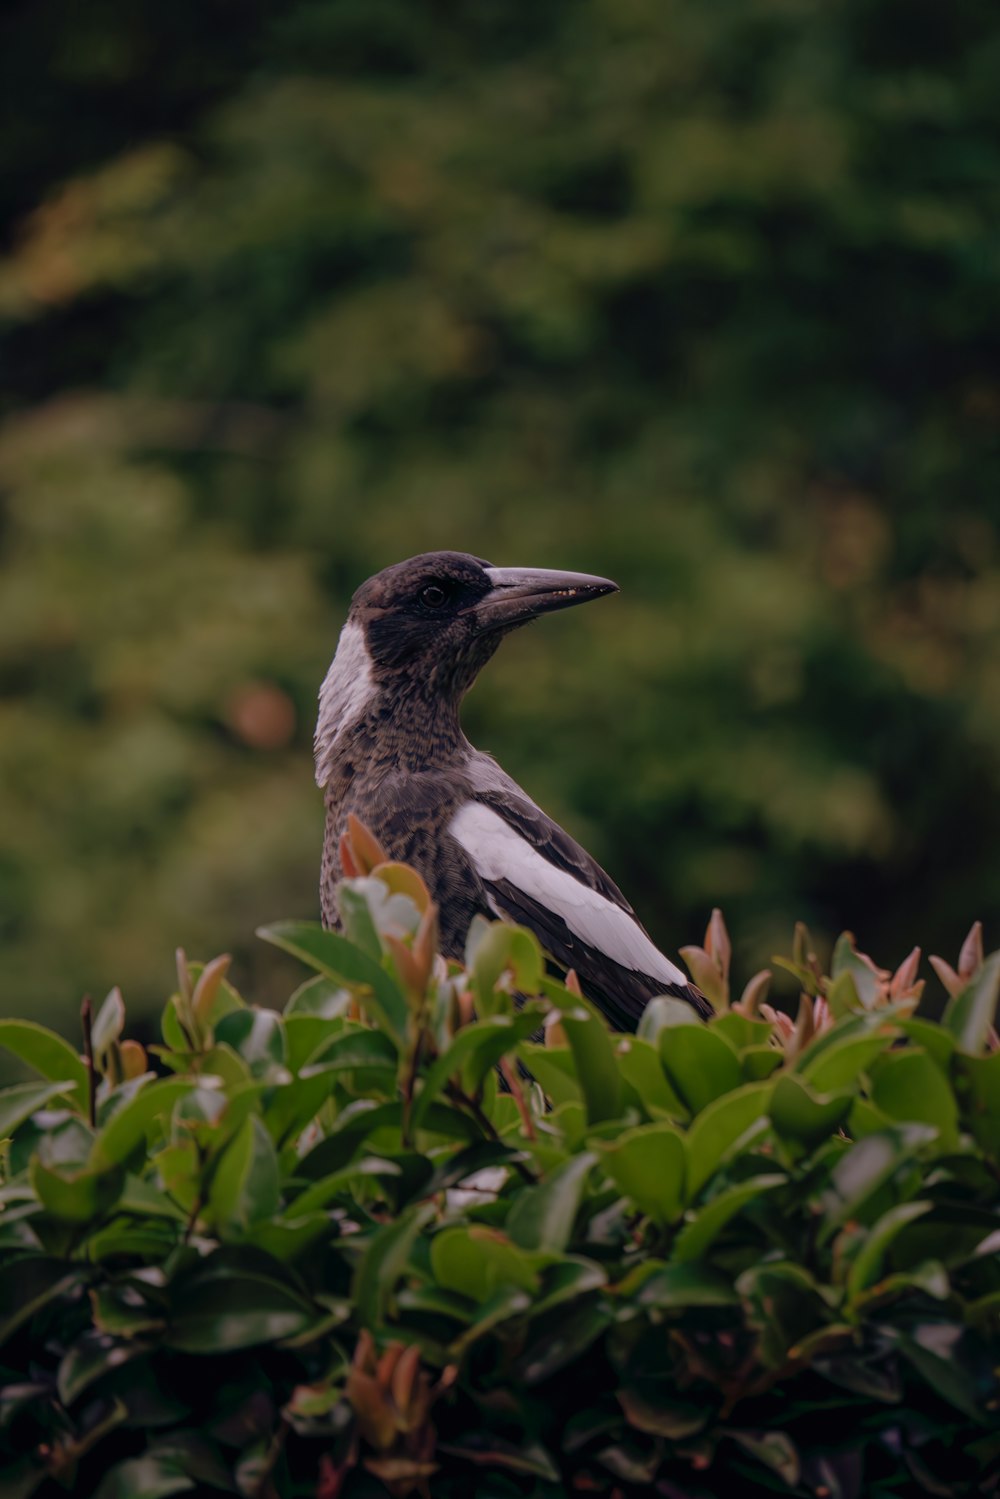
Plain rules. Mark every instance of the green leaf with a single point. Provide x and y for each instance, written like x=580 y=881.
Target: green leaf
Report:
x=773 y=1449
x=91 y=1357
x=46 y=1053
x=740 y=1031
x=931 y=1350
x=257 y=1037
x=970 y=1013
x=648 y=1408
x=932 y=1036
x=340 y=960
x=356 y=1047
x=542 y=1216
x=840 y=1063
x=323 y=1191
x=908 y=1085
x=218 y=1310
x=152 y=1476
x=24 y=1099
x=866 y=1266
x=320 y=997
x=700 y=1065
x=863 y=1169
x=77 y=1196
x=703 y=1226
x=501 y=1306
x=663 y=1012
x=678 y=1286
x=126 y=1309
x=489 y=1451
x=554 y=1070
x=977 y=1087
x=475 y=1049
x=284 y=1239
x=847 y=960
x=356 y=917
x=801 y=1114
x=305 y=1034
x=475 y=1261
x=494 y=947
x=719 y=1125
x=384 y=1262
x=785 y=1305
x=593 y=1052
x=128 y=1128
x=757 y=1063
x=29 y=1284
x=245 y=1184
x=648 y=1165
x=109 y=1022
x=293 y=1105
x=571 y=1277
x=646 y=1085
x=562 y=1344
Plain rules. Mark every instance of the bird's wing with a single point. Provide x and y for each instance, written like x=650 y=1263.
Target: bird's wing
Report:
x=534 y=873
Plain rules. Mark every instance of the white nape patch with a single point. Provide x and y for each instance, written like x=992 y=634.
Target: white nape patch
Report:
x=347 y=689
x=499 y=853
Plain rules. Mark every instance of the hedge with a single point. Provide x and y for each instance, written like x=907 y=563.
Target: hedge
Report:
x=420 y=1235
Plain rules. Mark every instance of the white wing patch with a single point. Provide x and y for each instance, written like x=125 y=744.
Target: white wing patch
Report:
x=347 y=689
x=499 y=853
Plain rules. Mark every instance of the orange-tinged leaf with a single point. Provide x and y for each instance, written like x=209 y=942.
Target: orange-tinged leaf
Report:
x=706 y=974
x=347 y=863
x=804 y=1027
x=376 y=1417
x=387 y=1363
x=406 y=965
x=364 y=1351
x=365 y=847
x=717 y=943
x=207 y=986
x=133 y=1058
x=402 y=879
x=183 y=976
x=404 y=1375
x=949 y=978
x=425 y=943
x=905 y=976
x=754 y=993
x=970 y=959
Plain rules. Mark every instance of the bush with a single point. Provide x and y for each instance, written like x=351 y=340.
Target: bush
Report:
x=392 y=1241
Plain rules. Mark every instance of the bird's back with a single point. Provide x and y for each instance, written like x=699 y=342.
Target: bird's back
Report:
x=484 y=847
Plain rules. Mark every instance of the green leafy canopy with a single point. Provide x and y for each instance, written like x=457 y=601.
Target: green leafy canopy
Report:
x=376 y=1245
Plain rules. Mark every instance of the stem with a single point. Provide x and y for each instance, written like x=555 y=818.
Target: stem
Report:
x=264 y=1486
x=485 y=1124
x=517 y=1093
x=87 y=1022
x=410 y=1083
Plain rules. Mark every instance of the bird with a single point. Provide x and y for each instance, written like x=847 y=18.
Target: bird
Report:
x=389 y=747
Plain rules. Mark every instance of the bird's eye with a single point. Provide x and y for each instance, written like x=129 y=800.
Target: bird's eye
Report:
x=433 y=596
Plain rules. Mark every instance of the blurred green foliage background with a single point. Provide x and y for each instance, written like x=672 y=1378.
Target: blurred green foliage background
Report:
x=704 y=297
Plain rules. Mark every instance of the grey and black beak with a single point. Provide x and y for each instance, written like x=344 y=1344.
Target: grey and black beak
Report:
x=518 y=594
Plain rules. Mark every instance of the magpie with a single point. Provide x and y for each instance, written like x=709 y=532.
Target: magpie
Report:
x=389 y=748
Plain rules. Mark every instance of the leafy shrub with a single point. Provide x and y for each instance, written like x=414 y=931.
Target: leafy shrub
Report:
x=393 y=1241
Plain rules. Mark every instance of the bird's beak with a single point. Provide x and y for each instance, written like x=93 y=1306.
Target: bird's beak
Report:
x=517 y=594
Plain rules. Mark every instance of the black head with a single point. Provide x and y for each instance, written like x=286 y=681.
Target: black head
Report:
x=443 y=614
x=421 y=630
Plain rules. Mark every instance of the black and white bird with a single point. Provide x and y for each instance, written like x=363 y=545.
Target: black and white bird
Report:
x=389 y=748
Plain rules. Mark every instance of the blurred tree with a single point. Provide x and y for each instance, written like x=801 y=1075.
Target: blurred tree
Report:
x=704 y=298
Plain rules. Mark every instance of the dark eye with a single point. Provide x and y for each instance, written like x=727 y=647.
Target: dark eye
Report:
x=433 y=596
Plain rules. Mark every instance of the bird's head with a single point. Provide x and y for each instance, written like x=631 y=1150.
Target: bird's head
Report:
x=428 y=625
